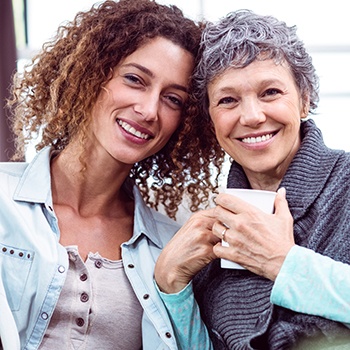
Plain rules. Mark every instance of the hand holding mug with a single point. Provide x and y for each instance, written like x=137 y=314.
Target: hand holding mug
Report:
x=256 y=237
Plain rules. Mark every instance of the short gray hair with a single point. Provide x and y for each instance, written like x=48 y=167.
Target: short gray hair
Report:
x=243 y=36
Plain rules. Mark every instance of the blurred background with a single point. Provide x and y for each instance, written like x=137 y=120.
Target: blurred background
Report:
x=323 y=26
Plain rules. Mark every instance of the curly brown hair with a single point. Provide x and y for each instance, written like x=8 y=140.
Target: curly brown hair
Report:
x=56 y=91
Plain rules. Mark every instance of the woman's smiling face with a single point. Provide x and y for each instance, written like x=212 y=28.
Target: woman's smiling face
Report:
x=256 y=111
x=140 y=107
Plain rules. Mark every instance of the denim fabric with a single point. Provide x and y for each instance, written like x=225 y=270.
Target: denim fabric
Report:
x=33 y=265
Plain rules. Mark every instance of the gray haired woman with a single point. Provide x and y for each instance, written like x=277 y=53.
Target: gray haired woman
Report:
x=256 y=86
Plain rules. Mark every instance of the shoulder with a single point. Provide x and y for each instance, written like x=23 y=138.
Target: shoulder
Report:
x=342 y=164
x=162 y=220
x=165 y=226
x=158 y=227
x=10 y=176
x=150 y=220
x=12 y=169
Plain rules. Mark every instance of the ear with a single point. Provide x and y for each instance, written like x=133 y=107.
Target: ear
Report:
x=305 y=106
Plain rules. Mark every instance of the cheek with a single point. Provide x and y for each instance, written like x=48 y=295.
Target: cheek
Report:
x=171 y=124
x=291 y=108
x=223 y=133
x=175 y=120
x=223 y=126
x=215 y=119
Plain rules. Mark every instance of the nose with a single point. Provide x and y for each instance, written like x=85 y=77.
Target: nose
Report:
x=148 y=107
x=252 y=113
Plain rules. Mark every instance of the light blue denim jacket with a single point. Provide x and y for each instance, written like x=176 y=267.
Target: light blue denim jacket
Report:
x=33 y=264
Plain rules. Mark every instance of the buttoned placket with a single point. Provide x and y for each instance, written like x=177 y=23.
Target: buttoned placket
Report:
x=83 y=299
x=57 y=281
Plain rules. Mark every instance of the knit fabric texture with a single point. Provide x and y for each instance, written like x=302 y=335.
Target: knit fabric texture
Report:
x=235 y=304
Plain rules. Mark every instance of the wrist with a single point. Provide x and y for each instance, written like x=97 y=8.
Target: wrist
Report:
x=277 y=265
x=170 y=283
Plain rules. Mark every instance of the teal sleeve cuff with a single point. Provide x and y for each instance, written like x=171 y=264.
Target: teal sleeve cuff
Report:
x=183 y=310
x=177 y=298
x=314 y=284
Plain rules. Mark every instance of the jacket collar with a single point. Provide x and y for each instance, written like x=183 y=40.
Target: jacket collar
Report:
x=144 y=221
x=35 y=183
x=35 y=186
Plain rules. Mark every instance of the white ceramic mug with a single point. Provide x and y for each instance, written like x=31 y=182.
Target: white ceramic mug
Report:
x=264 y=200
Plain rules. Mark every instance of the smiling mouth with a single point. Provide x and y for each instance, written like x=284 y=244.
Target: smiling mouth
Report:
x=132 y=131
x=257 y=139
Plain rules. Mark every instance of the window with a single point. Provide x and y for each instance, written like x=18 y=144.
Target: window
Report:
x=322 y=26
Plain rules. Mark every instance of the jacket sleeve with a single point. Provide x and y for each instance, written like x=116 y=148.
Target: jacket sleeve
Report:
x=183 y=310
x=314 y=284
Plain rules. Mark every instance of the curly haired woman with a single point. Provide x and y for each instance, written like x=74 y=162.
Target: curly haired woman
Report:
x=107 y=99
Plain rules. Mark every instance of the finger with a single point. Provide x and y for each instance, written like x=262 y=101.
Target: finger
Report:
x=204 y=214
x=233 y=204
x=281 y=204
x=221 y=251
x=214 y=240
x=200 y=220
x=209 y=213
x=219 y=230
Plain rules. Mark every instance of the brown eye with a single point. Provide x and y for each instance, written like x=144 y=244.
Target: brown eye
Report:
x=175 y=101
x=272 y=92
x=133 y=79
x=226 y=100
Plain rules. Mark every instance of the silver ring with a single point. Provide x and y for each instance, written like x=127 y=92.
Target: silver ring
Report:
x=223 y=234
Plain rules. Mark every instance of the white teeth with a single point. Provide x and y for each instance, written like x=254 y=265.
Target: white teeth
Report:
x=257 y=139
x=131 y=130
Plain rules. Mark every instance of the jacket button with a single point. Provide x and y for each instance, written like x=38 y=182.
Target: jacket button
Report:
x=146 y=296
x=83 y=277
x=61 y=269
x=168 y=335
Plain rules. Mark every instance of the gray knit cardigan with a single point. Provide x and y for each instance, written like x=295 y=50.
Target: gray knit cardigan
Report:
x=235 y=304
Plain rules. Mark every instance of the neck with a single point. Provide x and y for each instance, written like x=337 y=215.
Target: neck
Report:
x=91 y=187
x=264 y=182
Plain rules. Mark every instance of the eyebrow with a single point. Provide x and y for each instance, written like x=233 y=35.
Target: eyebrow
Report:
x=229 y=89
x=224 y=89
x=217 y=93
x=150 y=74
